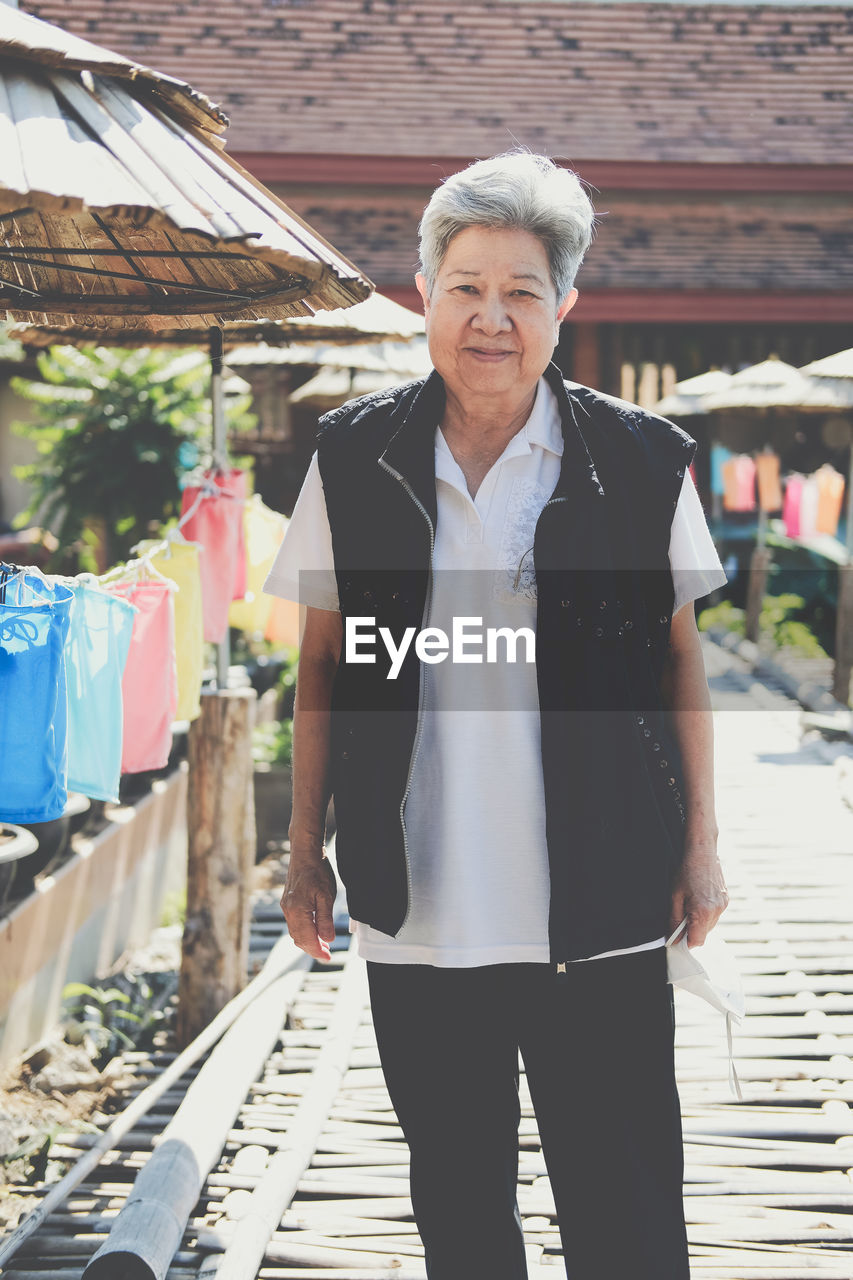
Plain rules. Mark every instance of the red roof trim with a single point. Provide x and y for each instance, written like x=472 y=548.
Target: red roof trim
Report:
x=398 y=171
x=694 y=306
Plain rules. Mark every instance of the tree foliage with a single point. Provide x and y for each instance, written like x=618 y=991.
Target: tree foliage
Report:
x=114 y=431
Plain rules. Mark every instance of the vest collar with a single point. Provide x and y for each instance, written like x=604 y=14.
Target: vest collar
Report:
x=410 y=453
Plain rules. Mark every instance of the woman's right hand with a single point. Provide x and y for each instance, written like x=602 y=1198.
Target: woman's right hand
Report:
x=307 y=902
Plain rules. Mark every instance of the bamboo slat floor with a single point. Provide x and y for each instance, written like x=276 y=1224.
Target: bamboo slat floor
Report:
x=768 y=1181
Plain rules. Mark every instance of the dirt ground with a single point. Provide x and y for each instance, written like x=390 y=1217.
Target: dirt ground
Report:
x=57 y=1088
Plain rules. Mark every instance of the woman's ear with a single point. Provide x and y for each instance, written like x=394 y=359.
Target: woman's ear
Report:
x=566 y=305
x=420 y=281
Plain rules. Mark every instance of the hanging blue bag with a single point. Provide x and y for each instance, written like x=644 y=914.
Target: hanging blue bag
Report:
x=34 y=619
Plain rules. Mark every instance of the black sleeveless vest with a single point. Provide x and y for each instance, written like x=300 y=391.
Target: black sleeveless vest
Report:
x=612 y=772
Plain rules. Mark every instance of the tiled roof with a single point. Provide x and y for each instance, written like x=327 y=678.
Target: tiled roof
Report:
x=655 y=242
x=752 y=83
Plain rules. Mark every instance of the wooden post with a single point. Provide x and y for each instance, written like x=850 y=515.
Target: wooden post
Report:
x=221 y=855
x=844 y=615
x=759 y=565
x=843 y=635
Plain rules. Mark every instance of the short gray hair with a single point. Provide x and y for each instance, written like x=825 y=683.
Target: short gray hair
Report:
x=518 y=190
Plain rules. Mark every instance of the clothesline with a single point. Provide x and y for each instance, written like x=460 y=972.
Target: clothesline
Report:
x=106 y=665
x=810 y=503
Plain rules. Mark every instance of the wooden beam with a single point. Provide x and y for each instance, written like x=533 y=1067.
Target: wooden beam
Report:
x=627 y=175
x=687 y=306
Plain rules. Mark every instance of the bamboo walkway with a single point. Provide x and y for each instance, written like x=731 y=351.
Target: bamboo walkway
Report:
x=768 y=1181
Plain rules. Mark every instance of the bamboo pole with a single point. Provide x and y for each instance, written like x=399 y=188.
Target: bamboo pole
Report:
x=284 y=958
x=148 y=1230
x=843 y=665
x=277 y=1187
x=220 y=857
x=220 y=454
x=759 y=566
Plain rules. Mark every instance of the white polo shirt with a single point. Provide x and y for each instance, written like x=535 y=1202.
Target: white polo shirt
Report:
x=475 y=810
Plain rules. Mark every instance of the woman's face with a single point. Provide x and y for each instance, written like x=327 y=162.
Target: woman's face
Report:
x=493 y=316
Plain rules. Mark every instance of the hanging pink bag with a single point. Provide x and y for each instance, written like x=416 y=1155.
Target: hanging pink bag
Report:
x=791 y=504
x=149 y=685
x=215 y=511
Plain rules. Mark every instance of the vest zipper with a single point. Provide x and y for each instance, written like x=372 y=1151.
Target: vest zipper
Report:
x=562 y=967
x=419 y=731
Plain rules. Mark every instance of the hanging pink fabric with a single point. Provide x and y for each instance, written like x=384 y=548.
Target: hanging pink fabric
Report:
x=745 y=477
x=149 y=686
x=217 y=523
x=237 y=484
x=791 y=505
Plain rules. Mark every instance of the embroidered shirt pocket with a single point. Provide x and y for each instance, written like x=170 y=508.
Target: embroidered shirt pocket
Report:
x=515 y=578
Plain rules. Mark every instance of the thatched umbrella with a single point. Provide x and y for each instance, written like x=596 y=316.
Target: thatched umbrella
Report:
x=117 y=200
x=773 y=385
x=686 y=398
x=348 y=373
x=119 y=206
x=839 y=365
x=377 y=319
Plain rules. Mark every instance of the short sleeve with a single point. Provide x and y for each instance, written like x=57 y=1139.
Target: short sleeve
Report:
x=304 y=566
x=693 y=558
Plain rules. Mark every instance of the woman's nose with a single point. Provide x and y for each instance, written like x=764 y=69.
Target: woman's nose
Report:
x=491 y=316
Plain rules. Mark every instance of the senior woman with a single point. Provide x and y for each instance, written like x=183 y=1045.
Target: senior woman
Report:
x=501 y=683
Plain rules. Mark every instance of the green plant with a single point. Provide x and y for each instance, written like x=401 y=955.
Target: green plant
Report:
x=107 y=1019
x=775 y=620
x=114 y=432
x=286 y=683
x=726 y=615
x=272 y=743
x=174 y=909
x=789 y=632
x=32 y=1154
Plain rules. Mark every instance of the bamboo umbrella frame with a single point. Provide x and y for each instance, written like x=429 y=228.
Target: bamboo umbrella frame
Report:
x=118 y=206
x=377 y=319
x=117 y=200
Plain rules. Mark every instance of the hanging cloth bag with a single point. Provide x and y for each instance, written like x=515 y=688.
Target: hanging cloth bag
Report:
x=34 y=620
x=180 y=561
x=150 y=683
x=96 y=652
x=212 y=515
x=830 y=494
x=264 y=531
x=791 y=504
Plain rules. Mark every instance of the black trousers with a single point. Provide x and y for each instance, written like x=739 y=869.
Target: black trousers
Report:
x=597 y=1046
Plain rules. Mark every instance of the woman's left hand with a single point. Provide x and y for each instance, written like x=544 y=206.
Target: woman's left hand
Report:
x=699 y=893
